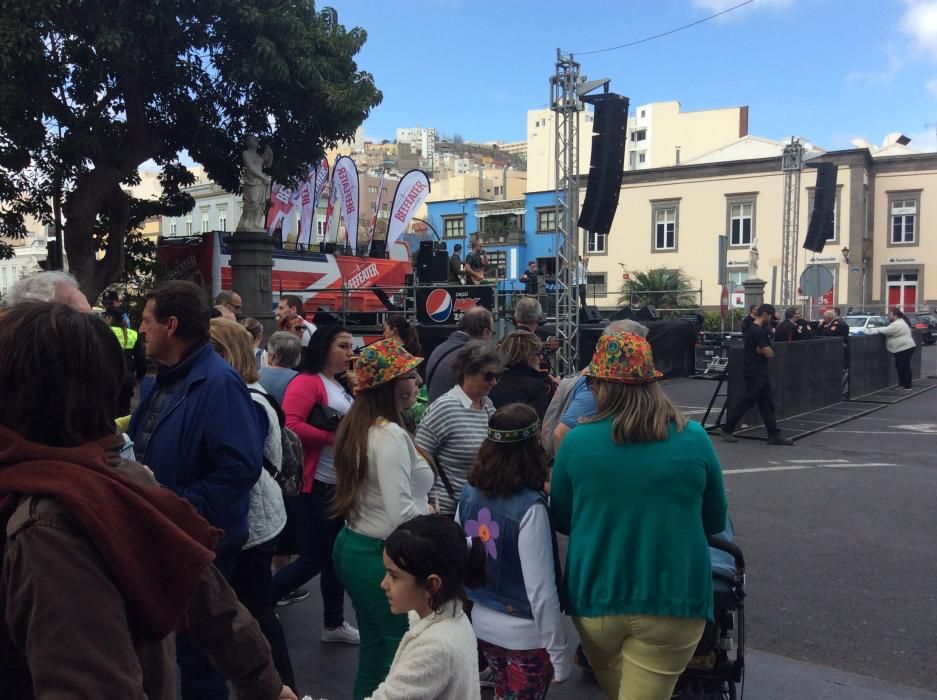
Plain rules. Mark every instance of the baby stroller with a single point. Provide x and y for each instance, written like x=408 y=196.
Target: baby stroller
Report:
x=714 y=673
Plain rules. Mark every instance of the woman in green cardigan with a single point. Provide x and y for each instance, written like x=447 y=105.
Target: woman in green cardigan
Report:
x=637 y=488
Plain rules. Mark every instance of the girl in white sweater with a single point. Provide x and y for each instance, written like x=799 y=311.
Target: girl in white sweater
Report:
x=428 y=559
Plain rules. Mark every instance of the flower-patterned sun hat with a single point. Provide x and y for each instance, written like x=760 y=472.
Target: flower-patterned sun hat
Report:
x=624 y=358
x=382 y=362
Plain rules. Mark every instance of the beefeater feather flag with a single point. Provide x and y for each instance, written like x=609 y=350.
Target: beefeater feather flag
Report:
x=307 y=208
x=318 y=187
x=331 y=213
x=345 y=181
x=377 y=208
x=412 y=190
x=281 y=204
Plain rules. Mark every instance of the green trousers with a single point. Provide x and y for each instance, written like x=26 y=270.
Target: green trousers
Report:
x=360 y=567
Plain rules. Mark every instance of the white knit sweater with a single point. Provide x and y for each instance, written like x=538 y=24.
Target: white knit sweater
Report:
x=437 y=660
x=897 y=335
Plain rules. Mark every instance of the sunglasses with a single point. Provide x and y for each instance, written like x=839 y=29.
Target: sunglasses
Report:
x=492 y=376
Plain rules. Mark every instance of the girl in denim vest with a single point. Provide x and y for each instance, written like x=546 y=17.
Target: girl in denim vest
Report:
x=516 y=614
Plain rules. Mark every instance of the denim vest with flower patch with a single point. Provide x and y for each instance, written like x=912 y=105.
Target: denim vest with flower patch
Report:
x=497 y=522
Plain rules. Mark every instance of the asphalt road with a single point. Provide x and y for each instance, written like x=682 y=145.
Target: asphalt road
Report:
x=839 y=537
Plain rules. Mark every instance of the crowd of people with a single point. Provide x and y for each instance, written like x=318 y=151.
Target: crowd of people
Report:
x=135 y=563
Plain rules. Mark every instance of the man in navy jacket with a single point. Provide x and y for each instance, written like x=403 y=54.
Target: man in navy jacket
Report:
x=197 y=429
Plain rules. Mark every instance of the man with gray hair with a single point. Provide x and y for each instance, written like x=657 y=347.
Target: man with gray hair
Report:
x=283 y=354
x=581 y=402
x=53 y=286
x=476 y=323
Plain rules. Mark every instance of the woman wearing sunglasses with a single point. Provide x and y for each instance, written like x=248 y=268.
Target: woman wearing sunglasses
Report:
x=456 y=423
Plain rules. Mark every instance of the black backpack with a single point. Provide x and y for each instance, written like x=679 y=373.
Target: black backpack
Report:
x=290 y=476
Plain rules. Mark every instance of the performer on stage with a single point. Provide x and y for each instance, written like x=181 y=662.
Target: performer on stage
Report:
x=529 y=278
x=475 y=263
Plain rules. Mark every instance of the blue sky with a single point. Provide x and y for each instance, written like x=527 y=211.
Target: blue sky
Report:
x=827 y=70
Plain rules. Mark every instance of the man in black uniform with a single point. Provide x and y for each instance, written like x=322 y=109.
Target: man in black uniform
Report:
x=790 y=328
x=748 y=320
x=529 y=278
x=455 y=265
x=832 y=326
x=758 y=351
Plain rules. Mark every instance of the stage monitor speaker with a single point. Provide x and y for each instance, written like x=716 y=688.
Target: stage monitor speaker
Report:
x=647 y=313
x=820 y=229
x=378 y=249
x=625 y=313
x=607 y=163
x=589 y=314
x=431 y=264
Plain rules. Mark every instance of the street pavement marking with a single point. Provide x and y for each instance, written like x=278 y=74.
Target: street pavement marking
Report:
x=918 y=427
x=883 y=432
x=802 y=464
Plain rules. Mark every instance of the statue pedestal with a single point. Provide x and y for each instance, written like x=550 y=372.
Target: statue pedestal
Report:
x=252 y=275
x=754 y=292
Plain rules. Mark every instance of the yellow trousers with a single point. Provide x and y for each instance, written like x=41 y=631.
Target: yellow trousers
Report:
x=638 y=657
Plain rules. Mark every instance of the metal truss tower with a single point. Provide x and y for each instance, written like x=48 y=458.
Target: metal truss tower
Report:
x=792 y=164
x=566 y=107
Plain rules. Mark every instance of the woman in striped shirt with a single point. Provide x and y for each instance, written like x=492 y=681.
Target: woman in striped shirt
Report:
x=456 y=423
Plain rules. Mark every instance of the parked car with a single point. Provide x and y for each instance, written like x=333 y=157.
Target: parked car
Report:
x=926 y=323
x=859 y=323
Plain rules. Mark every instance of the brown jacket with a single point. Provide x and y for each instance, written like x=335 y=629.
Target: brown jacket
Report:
x=66 y=633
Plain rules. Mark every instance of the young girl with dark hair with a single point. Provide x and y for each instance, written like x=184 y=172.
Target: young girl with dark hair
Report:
x=428 y=560
x=397 y=327
x=320 y=383
x=516 y=614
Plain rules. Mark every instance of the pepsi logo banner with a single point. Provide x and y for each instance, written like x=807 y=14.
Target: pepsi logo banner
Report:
x=446 y=305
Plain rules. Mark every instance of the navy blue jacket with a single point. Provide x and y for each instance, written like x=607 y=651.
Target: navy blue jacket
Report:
x=205 y=445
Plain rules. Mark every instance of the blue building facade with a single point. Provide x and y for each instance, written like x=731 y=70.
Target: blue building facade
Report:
x=513 y=232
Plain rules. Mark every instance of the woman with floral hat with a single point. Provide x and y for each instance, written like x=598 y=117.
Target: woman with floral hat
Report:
x=382 y=481
x=637 y=488
x=516 y=613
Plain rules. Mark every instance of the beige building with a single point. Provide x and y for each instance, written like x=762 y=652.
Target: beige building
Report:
x=661 y=135
x=885 y=209
x=488 y=184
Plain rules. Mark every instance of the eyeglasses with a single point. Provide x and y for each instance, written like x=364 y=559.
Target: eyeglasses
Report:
x=492 y=376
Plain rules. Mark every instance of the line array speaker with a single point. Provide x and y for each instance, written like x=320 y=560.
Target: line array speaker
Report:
x=820 y=228
x=607 y=162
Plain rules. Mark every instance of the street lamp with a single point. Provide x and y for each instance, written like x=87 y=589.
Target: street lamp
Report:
x=845 y=252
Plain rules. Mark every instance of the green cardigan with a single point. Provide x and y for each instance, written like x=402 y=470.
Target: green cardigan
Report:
x=637 y=516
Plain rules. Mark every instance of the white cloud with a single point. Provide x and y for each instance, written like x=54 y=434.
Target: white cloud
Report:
x=878 y=76
x=920 y=23
x=924 y=140
x=714 y=6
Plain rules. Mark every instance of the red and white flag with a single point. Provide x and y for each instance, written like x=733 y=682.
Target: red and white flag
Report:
x=377 y=208
x=345 y=182
x=412 y=191
x=318 y=187
x=281 y=204
x=307 y=208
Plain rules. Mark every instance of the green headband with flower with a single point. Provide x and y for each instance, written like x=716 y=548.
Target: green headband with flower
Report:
x=517 y=435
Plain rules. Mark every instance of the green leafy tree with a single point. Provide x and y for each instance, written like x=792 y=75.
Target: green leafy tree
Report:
x=663 y=287
x=91 y=90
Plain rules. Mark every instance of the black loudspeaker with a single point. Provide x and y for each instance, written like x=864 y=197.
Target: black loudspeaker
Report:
x=821 y=218
x=607 y=163
x=378 y=249
x=623 y=314
x=589 y=314
x=431 y=264
x=647 y=313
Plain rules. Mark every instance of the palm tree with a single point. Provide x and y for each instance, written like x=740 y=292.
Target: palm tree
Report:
x=663 y=287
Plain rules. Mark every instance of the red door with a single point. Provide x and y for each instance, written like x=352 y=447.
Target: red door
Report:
x=904 y=296
x=894 y=295
x=910 y=297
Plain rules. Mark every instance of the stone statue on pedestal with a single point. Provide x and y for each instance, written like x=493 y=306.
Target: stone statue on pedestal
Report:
x=753 y=260
x=255 y=186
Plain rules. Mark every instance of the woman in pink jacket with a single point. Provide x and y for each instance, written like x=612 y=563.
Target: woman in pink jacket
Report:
x=314 y=396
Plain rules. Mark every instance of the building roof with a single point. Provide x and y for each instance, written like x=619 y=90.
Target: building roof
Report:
x=750 y=148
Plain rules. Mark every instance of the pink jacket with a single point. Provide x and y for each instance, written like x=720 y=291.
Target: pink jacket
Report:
x=302 y=393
